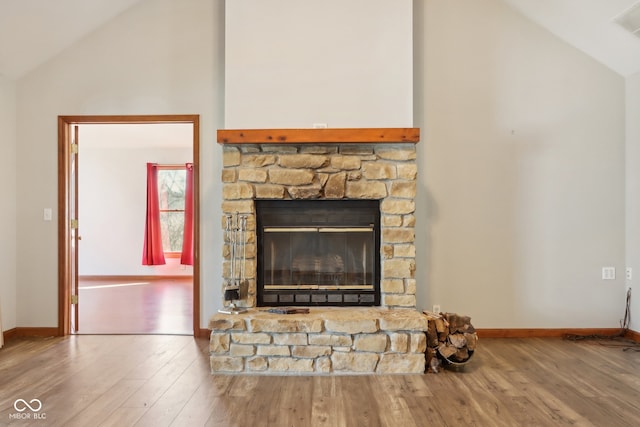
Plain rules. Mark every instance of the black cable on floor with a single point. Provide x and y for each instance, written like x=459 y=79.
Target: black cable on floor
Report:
x=625 y=343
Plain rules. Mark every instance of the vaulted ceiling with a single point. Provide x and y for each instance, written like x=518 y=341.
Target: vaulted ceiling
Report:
x=589 y=25
x=34 y=31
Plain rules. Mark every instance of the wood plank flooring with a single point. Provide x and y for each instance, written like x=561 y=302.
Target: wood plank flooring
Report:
x=149 y=306
x=162 y=380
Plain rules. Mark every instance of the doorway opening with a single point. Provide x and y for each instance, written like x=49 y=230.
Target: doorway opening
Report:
x=103 y=286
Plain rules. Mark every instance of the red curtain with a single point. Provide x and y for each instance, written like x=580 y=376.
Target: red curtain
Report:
x=187 y=240
x=152 y=253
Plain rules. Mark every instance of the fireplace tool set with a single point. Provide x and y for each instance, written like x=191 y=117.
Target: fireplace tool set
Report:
x=235 y=235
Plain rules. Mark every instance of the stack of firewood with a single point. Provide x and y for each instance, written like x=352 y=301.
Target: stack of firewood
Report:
x=451 y=339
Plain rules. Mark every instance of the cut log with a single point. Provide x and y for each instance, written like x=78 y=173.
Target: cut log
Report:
x=457 y=323
x=432 y=334
x=458 y=340
x=461 y=355
x=472 y=340
x=440 y=325
x=446 y=350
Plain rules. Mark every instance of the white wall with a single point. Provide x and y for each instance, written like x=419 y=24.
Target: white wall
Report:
x=521 y=172
x=521 y=182
x=8 y=178
x=633 y=193
x=292 y=63
x=160 y=57
x=112 y=209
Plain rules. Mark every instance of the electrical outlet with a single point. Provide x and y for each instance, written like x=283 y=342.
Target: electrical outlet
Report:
x=629 y=273
x=436 y=308
x=608 y=273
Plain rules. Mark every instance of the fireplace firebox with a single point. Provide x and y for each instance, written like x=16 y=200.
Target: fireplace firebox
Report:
x=318 y=252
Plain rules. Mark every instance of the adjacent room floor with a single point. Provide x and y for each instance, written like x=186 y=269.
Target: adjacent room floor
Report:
x=156 y=306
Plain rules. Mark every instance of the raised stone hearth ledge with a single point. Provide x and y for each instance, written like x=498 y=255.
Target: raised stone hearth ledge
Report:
x=319 y=136
x=328 y=340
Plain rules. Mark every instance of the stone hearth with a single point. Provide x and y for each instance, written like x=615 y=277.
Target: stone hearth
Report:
x=337 y=340
x=376 y=164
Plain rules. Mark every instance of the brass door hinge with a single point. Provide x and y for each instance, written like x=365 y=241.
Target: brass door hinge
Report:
x=74 y=224
x=74 y=148
x=74 y=299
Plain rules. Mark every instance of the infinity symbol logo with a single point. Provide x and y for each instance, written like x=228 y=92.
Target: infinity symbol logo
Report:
x=26 y=405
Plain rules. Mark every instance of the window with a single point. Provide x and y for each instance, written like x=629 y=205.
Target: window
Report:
x=171 y=195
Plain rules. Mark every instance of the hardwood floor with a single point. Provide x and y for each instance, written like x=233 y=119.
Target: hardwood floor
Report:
x=149 y=306
x=161 y=380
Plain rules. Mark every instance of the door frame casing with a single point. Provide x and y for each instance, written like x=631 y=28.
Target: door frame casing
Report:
x=64 y=215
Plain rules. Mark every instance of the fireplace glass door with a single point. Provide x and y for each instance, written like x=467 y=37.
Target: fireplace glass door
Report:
x=318 y=252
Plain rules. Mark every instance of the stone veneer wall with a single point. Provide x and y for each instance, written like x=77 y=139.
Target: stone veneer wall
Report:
x=385 y=172
x=328 y=340
x=334 y=340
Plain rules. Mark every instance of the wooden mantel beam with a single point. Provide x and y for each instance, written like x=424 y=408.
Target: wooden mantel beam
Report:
x=319 y=136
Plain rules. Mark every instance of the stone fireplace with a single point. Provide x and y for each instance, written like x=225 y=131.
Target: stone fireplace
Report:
x=335 y=257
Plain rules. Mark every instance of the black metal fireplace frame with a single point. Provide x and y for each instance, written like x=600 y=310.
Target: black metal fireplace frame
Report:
x=306 y=213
